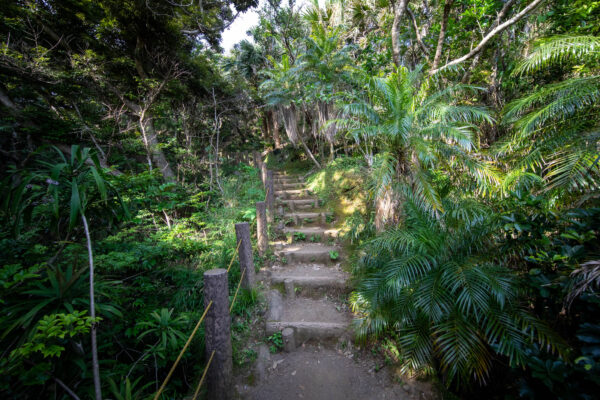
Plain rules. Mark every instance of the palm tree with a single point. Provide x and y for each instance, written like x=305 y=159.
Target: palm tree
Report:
x=556 y=129
x=416 y=131
x=434 y=282
x=323 y=66
x=282 y=91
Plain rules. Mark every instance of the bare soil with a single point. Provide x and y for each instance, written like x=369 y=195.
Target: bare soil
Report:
x=313 y=372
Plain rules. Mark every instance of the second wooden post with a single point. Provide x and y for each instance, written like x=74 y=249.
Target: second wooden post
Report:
x=261 y=228
x=270 y=188
x=242 y=232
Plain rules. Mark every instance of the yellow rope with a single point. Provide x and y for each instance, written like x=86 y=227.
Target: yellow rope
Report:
x=203 y=375
x=236 y=291
x=233 y=258
x=267 y=193
x=162 y=387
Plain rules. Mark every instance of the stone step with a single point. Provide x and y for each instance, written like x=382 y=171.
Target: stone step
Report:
x=288 y=179
x=310 y=276
x=299 y=218
x=309 y=318
x=292 y=193
x=285 y=186
x=308 y=253
x=285 y=175
x=314 y=202
x=319 y=233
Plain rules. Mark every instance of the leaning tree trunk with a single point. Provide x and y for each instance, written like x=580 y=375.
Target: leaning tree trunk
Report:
x=155 y=153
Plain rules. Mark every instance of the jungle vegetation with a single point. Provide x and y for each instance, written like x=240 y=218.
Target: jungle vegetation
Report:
x=470 y=129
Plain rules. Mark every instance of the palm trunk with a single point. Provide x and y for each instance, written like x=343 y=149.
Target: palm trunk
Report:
x=95 y=362
x=385 y=209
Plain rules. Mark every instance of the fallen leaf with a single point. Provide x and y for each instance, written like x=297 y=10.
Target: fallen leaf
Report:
x=293 y=373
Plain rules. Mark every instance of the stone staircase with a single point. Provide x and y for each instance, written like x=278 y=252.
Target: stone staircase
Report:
x=308 y=285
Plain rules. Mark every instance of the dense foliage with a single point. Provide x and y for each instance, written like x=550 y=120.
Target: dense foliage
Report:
x=461 y=135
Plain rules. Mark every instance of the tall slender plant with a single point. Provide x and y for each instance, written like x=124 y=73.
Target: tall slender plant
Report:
x=81 y=179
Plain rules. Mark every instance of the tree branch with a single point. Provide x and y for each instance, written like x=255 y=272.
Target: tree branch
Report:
x=417 y=33
x=489 y=36
x=505 y=8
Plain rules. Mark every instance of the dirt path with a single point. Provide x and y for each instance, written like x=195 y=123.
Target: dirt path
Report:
x=307 y=293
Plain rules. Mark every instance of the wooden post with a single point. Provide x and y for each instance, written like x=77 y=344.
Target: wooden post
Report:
x=261 y=228
x=242 y=232
x=218 y=334
x=263 y=172
x=270 y=188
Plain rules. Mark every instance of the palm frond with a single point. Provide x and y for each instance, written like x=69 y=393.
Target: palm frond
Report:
x=558 y=49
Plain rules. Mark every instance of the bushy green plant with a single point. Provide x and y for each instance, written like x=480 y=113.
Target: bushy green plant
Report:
x=276 y=342
x=299 y=236
x=434 y=282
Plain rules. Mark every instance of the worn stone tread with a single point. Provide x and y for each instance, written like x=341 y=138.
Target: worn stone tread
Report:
x=311 y=276
x=308 y=253
x=308 y=231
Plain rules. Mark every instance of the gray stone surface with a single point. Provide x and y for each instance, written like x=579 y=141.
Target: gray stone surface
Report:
x=289 y=344
x=288 y=284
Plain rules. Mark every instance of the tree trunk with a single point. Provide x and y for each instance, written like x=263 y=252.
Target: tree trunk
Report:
x=440 y=43
x=153 y=149
x=275 y=129
x=290 y=123
x=399 y=11
x=95 y=362
x=265 y=126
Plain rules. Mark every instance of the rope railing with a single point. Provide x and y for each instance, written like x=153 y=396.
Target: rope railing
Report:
x=267 y=193
x=162 y=387
x=189 y=340
x=233 y=257
x=236 y=291
x=203 y=375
